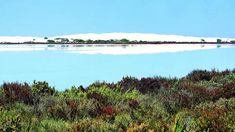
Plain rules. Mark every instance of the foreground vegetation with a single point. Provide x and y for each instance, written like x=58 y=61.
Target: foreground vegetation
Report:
x=201 y=101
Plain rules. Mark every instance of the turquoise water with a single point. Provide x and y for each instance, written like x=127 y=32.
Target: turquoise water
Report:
x=62 y=69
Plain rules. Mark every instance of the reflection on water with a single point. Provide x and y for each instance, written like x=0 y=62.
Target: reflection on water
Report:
x=59 y=46
x=112 y=48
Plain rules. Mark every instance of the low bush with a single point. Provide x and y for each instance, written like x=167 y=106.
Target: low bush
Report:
x=218 y=116
x=146 y=85
x=42 y=88
x=14 y=92
x=10 y=121
x=73 y=93
x=199 y=75
x=50 y=125
x=91 y=125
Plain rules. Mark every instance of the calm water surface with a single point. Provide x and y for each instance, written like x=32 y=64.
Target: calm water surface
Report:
x=63 y=69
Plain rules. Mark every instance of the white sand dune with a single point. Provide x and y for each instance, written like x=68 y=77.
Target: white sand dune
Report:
x=20 y=39
x=115 y=36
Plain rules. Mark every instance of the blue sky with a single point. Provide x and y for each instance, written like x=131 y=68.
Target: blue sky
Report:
x=60 y=17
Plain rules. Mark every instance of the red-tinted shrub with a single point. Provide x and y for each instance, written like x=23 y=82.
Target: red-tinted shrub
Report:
x=212 y=116
x=146 y=85
x=97 y=96
x=103 y=111
x=108 y=111
x=73 y=109
x=199 y=93
x=18 y=92
x=95 y=112
x=183 y=100
x=128 y=83
x=2 y=102
x=57 y=112
x=134 y=104
x=227 y=91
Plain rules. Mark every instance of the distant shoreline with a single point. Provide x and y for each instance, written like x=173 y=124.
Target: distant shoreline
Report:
x=137 y=43
x=115 y=38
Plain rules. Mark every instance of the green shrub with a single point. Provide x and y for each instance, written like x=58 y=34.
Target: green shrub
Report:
x=123 y=120
x=113 y=96
x=151 y=112
x=55 y=108
x=140 y=127
x=42 y=88
x=89 y=125
x=218 y=116
x=210 y=85
x=175 y=100
x=73 y=93
x=184 y=121
x=50 y=125
x=10 y=120
x=2 y=100
x=224 y=79
x=28 y=118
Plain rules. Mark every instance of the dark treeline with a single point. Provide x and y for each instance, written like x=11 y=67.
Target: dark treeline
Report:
x=201 y=101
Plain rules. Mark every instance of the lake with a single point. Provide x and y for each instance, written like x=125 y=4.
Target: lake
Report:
x=66 y=65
